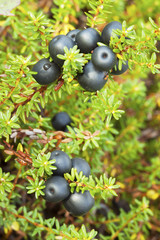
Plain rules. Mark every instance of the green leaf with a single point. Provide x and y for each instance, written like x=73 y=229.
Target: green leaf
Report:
x=153 y=23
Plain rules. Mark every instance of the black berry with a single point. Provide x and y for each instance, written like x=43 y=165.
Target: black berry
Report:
x=102 y=210
x=63 y=162
x=60 y=121
x=117 y=71
x=81 y=165
x=91 y=79
x=47 y=72
x=103 y=58
x=57 y=189
x=120 y=204
x=107 y=31
x=56 y=46
x=87 y=40
x=72 y=34
x=79 y=203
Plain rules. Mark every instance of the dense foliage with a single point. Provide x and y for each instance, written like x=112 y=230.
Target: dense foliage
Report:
x=116 y=130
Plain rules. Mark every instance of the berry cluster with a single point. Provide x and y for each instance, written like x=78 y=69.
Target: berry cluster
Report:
x=95 y=72
x=57 y=188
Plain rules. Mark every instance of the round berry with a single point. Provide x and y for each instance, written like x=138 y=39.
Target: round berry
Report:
x=79 y=203
x=63 y=162
x=87 y=40
x=72 y=34
x=91 y=79
x=57 y=189
x=103 y=58
x=120 y=204
x=60 y=121
x=56 y=46
x=107 y=31
x=47 y=72
x=117 y=71
x=102 y=210
x=81 y=165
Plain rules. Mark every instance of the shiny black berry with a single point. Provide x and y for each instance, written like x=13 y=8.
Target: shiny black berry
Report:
x=117 y=71
x=87 y=40
x=72 y=34
x=81 y=165
x=60 y=121
x=107 y=31
x=56 y=46
x=103 y=58
x=56 y=189
x=79 y=203
x=47 y=72
x=92 y=79
x=63 y=162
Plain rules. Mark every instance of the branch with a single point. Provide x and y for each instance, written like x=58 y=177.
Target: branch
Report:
x=125 y=224
x=99 y=7
x=23 y=158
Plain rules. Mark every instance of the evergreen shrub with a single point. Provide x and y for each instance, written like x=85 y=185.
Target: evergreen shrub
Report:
x=115 y=129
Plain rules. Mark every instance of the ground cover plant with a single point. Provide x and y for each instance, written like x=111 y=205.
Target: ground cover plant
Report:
x=79 y=120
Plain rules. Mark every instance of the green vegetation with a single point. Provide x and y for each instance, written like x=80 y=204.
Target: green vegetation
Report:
x=116 y=130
